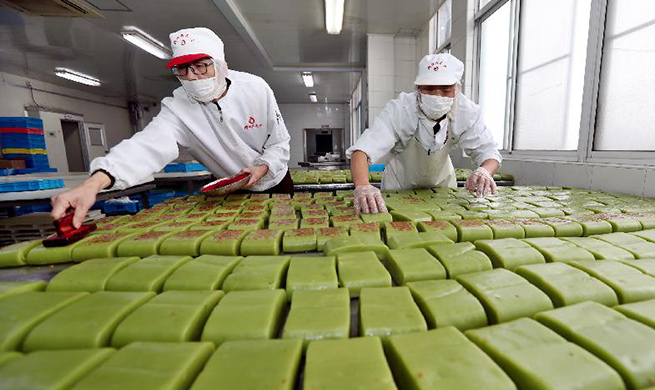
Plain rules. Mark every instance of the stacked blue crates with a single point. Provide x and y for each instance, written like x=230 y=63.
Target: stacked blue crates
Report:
x=22 y=138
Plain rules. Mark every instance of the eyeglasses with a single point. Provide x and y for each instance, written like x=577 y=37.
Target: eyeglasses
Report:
x=196 y=68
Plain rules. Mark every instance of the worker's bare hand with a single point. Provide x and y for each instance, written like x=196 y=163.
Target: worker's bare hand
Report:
x=81 y=199
x=256 y=173
x=368 y=200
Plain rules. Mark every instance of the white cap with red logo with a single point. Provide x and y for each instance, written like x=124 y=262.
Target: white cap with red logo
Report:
x=439 y=69
x=192 y=44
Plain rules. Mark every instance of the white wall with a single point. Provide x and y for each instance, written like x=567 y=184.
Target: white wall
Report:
x=391 y=69
x=113 y=113
x=312 y=115
x=15 y=97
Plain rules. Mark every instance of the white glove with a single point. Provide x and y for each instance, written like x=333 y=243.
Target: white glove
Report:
x=368 y=200
x=481 y=182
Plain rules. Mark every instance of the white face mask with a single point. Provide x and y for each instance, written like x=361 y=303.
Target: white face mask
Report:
x=435 y=106
x=206 y=90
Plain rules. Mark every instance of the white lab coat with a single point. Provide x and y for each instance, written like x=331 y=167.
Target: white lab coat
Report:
x=401 y=126
x=247 y=130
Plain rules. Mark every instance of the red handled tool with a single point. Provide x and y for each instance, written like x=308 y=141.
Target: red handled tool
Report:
x=226 y=185
x=66 y=232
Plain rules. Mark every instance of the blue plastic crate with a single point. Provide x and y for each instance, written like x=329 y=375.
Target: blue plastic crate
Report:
x=31 y=185
x=21 y=122
x=22 y=210
x=7 y=172
x=33 y=170
x=114 y=207
x=22 y=141
x=184 y=167
x=376 y=168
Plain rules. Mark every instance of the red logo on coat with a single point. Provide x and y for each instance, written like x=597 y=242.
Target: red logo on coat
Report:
x=252 y=123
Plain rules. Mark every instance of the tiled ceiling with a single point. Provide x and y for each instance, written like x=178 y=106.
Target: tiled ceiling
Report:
x=275 y=39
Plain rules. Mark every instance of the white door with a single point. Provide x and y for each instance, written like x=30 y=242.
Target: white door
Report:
x=96 y=140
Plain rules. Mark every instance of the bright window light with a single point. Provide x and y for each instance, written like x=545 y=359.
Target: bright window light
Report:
x=308 y=79
x=77 y=77
x=145 y=42
x=334 y=16
x=312 y=97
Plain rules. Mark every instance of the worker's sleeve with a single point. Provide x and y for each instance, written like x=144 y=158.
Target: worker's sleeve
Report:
x=276 y=147
x=378 y=140
x=134 y=160
x=478 y=141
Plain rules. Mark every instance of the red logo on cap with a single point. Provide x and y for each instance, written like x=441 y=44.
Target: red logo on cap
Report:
x=436 y=65
x=183 y=39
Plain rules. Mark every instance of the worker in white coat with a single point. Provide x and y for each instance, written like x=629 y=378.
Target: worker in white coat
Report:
x=414 y=133
x=228 y=120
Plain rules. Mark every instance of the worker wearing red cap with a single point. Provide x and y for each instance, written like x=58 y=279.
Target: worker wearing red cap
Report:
x=228 y=120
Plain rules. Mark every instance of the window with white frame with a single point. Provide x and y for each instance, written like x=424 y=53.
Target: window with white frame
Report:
x=482 y=3
x=495 y=71
x=444 y=16
x=432 y=34
x=356 y=112
x=625 y=119
x=550 y=74
x=579 y=89
x=440 y=29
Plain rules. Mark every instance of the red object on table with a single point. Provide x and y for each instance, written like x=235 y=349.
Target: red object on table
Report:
x=66 y=232
x=227 y=184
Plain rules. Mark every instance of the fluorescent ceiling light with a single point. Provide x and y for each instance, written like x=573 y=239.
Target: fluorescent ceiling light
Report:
x=312 y=97
x=334 y=16
x=77 y=77
x=308 y=79
x=145 y=42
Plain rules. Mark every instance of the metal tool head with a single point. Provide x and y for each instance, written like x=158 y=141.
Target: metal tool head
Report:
x=66 y=232
x=226 y=185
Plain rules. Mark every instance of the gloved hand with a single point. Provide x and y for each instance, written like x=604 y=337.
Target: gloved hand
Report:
x=481 y=182
x=368 y=200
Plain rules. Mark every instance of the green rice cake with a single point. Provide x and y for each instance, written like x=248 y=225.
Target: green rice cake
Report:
x=90 y=276
x=86 y=323
x=566 y=285
x=505 y=295
x=245 y=315
x=206 y=272
x=446 y=303
x=172 y=316
x=624 y=344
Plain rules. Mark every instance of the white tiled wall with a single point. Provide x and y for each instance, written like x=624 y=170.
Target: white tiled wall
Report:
x=405 y=63
x=381 y=73
x=391 y=69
